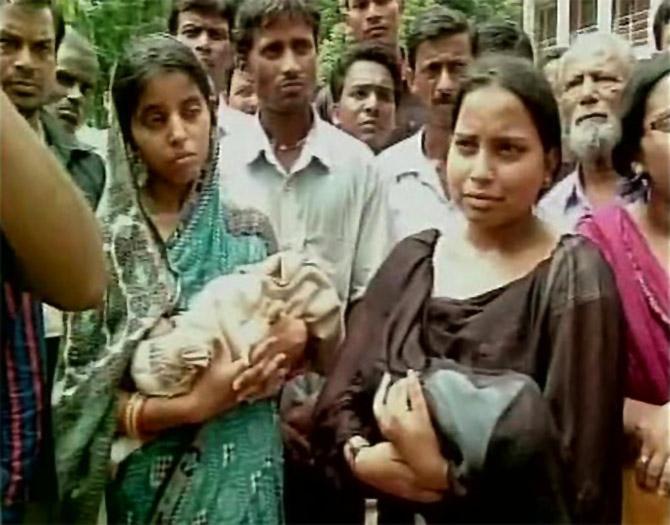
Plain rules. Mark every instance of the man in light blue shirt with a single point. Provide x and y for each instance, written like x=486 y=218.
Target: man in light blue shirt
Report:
x=440 y=46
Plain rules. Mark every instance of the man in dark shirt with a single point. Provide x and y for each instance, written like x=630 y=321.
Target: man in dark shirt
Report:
x=77 y=72
x=30 y=33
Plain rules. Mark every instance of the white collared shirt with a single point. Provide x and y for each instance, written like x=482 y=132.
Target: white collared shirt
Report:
x=329 y=205
x=415 y=197
x=230 y=120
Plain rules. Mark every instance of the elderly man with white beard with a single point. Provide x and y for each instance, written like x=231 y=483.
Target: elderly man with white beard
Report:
x=592 y=75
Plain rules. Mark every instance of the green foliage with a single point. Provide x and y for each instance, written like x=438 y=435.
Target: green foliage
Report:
x=331 y=49
x=481 y=10
x=412 y=8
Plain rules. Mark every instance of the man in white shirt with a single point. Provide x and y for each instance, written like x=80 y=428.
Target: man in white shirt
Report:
x=316 y=183
x=593 y=73
x=440 y=47
x=320 y=190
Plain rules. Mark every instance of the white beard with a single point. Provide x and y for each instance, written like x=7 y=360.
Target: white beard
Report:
x=593 y=142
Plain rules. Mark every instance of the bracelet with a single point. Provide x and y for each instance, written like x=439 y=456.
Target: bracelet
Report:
x=138 y=418
x=127 y=409
x=133 y=409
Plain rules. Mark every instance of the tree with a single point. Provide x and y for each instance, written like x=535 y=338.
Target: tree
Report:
x=482 y=10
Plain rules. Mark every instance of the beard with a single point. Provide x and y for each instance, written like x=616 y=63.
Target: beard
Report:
x=593 y=142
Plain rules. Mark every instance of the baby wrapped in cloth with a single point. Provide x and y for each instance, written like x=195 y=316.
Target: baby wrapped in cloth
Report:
x=236 y=311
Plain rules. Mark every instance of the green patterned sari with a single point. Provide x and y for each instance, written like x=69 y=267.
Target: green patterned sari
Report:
x=227 y=471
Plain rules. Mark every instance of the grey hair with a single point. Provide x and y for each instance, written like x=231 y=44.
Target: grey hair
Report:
x=599 y=42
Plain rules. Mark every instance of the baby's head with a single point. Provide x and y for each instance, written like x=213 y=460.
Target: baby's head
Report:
x=167 y=361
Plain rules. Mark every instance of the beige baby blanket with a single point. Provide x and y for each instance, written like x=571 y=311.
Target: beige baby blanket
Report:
x=237 y=311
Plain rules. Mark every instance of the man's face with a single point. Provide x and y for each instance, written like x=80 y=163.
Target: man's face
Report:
x=592 y=83
x=208 y=35
x=27 y=55
x=438 y=71
x=367 y=107
x=242 y=93
x=282 y=64
x=76 y=77
x=665 y=38
x=377 y=20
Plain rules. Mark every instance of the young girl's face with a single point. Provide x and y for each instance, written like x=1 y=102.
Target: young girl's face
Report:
x=497 y=164
x=171 y=128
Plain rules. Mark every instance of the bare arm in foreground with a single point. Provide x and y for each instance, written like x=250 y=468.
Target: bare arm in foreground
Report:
x=46 y=220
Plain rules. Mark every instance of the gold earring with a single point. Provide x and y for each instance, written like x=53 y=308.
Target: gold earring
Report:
x=638 y=168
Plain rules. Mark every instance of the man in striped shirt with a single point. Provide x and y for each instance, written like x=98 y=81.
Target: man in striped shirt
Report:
x=38 y=202
x=22 y=396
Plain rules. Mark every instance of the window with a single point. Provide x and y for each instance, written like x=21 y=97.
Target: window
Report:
x=631 y=20
x=545 y=24
x=583 y=15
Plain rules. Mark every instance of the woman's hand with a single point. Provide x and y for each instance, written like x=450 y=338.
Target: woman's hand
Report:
x=273 y=359
x=653 y=465
x=382 y=467
x=213 y=392
x=290 y=339
x=403 y=419
x=264 y=376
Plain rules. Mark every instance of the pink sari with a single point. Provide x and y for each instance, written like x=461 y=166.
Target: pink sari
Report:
x=644 y=288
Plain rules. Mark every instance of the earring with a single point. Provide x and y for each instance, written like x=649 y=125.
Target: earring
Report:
x=138 y=169
x=638 y=169
x=640 y=174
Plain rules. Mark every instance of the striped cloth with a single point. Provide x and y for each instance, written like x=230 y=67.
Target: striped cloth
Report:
x=23 y=392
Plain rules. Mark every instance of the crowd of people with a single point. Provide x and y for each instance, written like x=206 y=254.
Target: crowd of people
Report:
x=434 y=289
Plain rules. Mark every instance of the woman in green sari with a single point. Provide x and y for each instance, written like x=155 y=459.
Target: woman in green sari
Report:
x=215 y=457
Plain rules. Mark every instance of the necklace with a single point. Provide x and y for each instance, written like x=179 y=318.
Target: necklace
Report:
x=289 y=147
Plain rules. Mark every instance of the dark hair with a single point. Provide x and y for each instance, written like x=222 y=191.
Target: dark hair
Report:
x=344 y=4
x=223 y=8
x=375 y=52
x=504 y=37
x=254 y=14
x=56 y=14
x=661 y=19
x=140 y=62
x=633 y=108
x=435 y=22
x=520 y=77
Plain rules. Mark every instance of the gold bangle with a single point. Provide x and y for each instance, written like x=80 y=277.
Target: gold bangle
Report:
x=127 y=414
x=131 y=415
x=137 y=417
